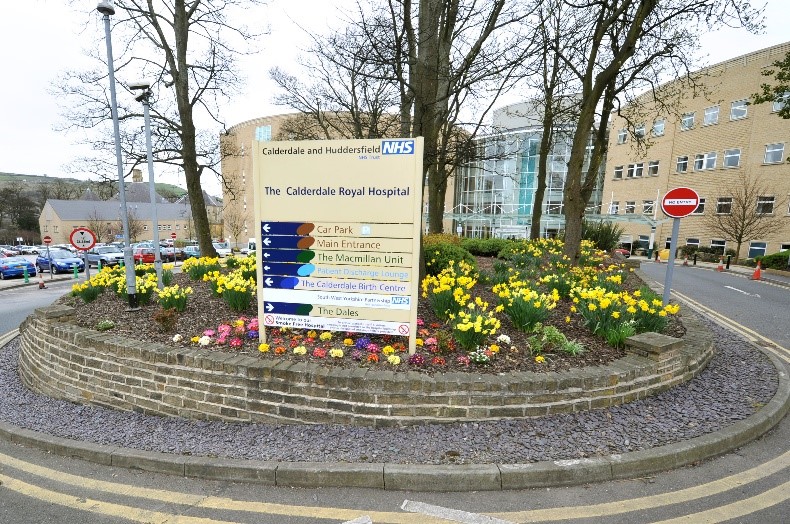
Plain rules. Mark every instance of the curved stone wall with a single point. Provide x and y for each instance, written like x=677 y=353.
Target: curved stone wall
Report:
x=62 y=360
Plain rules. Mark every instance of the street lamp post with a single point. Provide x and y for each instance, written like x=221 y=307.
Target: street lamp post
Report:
x=107 y=9
x=144 y=97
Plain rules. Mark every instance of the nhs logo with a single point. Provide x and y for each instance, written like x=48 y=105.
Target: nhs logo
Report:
x=400 y=300
x=397 y=147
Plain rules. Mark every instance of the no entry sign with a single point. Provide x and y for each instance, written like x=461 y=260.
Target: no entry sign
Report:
x=679 y=202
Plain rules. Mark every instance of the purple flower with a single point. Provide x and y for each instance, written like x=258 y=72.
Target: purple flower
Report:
x=252 y=334
x=362 y=343
x=357 y=354
x=416 y=360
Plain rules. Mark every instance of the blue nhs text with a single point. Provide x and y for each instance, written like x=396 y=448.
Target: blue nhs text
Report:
x=397 y=147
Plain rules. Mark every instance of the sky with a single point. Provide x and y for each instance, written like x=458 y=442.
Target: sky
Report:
x=41 y=38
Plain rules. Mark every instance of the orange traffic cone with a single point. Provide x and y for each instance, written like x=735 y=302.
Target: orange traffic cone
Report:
x=720 y=267
x=757 y=273
x=686 y=261
x=41 y=284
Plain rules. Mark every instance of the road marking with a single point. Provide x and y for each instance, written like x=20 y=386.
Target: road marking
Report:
x=772 y=497
x=742 y=291
x=709 y=489
x=450 y=514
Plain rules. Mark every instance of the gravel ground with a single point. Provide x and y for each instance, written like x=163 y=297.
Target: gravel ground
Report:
x=738 y=380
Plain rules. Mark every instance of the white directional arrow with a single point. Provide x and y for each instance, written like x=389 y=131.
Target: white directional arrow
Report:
x=269 y=281
x=266 y=255
x=266 y=268
x=269 y=307
x=266 y=227
x=267 y=241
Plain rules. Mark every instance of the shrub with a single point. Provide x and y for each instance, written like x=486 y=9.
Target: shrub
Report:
x=775 y=261
x=485 y=247
x=605 y=235
x=431 y=239
x=439 y=256
x=86 y=291
x=197 y=267
x=174 y=297
x=167 y=277
x=104 y=325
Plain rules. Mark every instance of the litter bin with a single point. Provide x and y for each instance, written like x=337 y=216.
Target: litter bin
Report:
x=663 y=255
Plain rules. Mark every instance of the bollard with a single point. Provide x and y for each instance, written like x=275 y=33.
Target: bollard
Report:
x=98 y=265
x=728 y=261
x=76 y=272
x=24 y=273
x=695 y=259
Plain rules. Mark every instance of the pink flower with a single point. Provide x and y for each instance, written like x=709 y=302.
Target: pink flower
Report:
x=430 y=341
x=319 y=352
x=221 y=340
x=209 y=332
x=235 y=342
x=420 y=322
x=463 y=360
x=253 y=325
x=373 y=348
x=224 y=329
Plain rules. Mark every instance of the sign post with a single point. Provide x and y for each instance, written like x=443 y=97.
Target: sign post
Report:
x=677 y=203
x=83 y=239
x=339 y=235
x=47 y=241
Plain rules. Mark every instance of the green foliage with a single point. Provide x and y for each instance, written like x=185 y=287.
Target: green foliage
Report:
x=645 y=321
x=104 y=325
x=617 y=334
x=432 y=239
x=605 y=235
x=485 y=247
x=142 y=269
x=775 y=261
x=198 y=270
x=87 y=292
x=167 y=277
x=771 y=93
x=439 y=256
x=232 y=262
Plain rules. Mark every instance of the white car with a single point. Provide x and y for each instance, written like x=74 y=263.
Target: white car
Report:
x=221 y=249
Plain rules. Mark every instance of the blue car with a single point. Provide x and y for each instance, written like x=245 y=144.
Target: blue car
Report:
x=15 y=267
x=60 y=260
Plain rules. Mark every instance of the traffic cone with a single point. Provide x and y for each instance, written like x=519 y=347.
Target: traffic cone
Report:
x=686 y=261
x=757 y=273
x=721 y=264
x=41 y=284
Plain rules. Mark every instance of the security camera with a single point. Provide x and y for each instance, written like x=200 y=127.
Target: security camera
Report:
x=140 y=84
x=106 y=8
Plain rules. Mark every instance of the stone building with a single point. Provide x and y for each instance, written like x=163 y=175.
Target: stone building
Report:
x=714 y=142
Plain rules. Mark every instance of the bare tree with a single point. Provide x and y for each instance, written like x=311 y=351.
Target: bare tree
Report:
x=778 y=92
x=234 y=219
x=744 y=212
x=188 y=48
x=99 y=225
x=622 y=47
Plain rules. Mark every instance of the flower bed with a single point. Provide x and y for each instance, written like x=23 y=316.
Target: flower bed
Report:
x=527 y=311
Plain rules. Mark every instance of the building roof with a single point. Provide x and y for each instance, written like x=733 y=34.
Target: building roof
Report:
x=110 y=210
x=139 y=192
x=207 y=199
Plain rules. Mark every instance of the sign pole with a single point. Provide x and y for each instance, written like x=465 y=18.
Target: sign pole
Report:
x=673 y=244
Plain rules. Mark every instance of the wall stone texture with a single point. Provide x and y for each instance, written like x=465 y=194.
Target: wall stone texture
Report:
x=62 y=360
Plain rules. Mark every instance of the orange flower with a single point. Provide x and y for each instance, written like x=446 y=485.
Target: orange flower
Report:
x=279 y=350
x=373 y=357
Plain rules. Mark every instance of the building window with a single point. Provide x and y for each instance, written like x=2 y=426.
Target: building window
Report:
x=700 y=207
x=780 y=102
x=719 y=245
x=724 y=206
x=784 y=246
x=658 y=127
x=178 y=226
x=639 y=131
x=774 y=153
x=622 y=136
x=705 y=161
x=738 y=109
x=54 y=229
x=692 y=242
x=630 y=207
x=765 y=205
x=159 y=227
x=618 y=171
x=186 y=226
x=169 y=227
x=732 y=157
x=757 y=249
x=145 y=228
x=46 y=228
x=614 y=208
x=687 y=121
x=635 y=170
x=554 y=207
x=652 y=167
x=668 y=243
x=682 y=164
x=711 y=116
x=263 y=133
x=648 y=207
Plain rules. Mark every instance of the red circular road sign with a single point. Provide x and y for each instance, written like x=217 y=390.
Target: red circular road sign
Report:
x=47 y=240
x=173 y=236
x=679 y=202
x=82 y=238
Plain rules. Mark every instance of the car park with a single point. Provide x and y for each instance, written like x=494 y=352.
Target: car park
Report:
x=144 y=255
x=106 y=255
x=26 y=250
x=16 y=267
x=191 y=252
x=222 y=249
x=59 y=261
x=8 y=251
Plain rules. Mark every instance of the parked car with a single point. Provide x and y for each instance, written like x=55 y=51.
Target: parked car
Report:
x=191 y=252
x=59 y=260
x=107 y=255
x=8 y=251
x=626 y=253
x=170 y=253
x=222 y=249
x=15 y=267
x=67 y=247
x=144 y=255
x=26 y=250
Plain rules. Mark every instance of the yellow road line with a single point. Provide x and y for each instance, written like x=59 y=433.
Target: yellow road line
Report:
x=610 y=508
x=654 y=501
x=769 y=498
